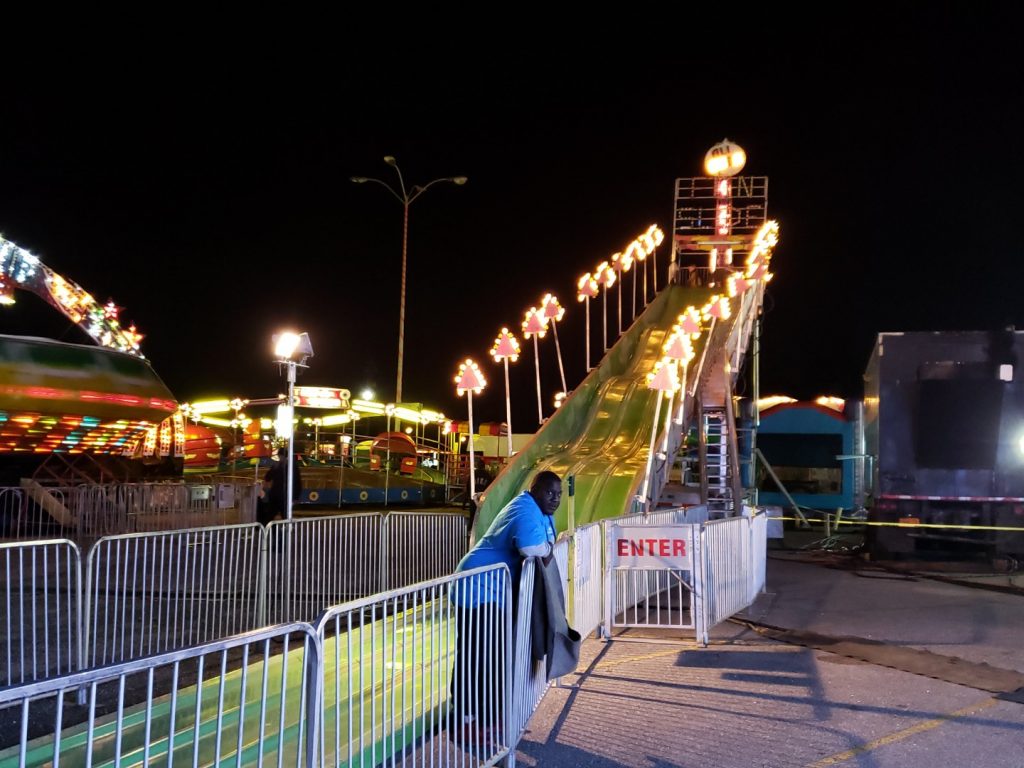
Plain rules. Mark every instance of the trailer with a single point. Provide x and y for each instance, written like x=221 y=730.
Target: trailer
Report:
x=944 y=436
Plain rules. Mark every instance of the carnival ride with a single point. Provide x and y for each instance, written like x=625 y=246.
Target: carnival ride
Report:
x=338 y=465
x=58 y=398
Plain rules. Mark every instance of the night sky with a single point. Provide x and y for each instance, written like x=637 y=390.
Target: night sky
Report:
x=214 y=202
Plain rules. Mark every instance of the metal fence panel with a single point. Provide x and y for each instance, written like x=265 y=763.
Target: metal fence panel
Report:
x=725 y=548
x=103 y=510
x=34 y=511
x=41 y=593
x=586 y=604
x=10 y=513
x=529 y=681
x=420 y=675
x=317 y=562
x=422 y=546
x=758 y=554
x=229 y=702
x=651 y=597
x=147 y=593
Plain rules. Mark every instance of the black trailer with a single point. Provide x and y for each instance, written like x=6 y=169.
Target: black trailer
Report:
x=944 y=431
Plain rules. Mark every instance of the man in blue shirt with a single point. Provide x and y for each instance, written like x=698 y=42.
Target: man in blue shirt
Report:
x=523 y=528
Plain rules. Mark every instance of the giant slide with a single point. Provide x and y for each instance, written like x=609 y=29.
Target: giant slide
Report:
x=601 y=434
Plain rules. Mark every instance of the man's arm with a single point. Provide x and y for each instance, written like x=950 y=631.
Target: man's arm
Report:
x=536 y=550
x=530 y=538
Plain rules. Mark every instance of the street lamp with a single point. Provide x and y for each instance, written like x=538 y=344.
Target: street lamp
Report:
x=291 y=349
x=405 y=198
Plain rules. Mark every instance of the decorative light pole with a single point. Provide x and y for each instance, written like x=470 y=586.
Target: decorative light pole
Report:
x=664 y=381
x=621 y=262
x=656 y=238
x=292 y=350
x=688 y=323
x=553 y=312
x=535 y=325
x=679 y=349
x=586 y=289
x=405 y=198
x=635 y=253
x=605 y=276
x=469 y=380
x=506 y=350
x=640 y=254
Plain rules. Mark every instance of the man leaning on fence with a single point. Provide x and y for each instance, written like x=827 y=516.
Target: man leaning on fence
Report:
x=524 y=528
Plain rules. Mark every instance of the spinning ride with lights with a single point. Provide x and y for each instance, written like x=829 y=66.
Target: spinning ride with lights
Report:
x=57 y=397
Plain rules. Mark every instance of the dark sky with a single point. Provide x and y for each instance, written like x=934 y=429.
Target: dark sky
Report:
x=213 y=202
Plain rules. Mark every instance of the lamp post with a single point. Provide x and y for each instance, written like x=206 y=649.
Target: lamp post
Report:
x=468 y=380
x=553 y=312
x=506 y=350
x=292 y=350
x=621 y=262
x=635 y=253
x=535 y=325
x=405 y=198
x=606 y=278
x=586 y=289
x=664 y=381
x=678 y=349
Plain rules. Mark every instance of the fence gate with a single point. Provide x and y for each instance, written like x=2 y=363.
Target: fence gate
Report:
x=651 y=576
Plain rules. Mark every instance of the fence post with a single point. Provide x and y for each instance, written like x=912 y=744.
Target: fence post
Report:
x=261 y=577
x=606 y=629
x=314 y=673
x=570 y=573
x=83 y=622
x=384 y=528
x=79 y=626
x=700 y=573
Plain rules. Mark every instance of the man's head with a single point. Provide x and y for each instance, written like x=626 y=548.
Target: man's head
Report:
x=547 y=491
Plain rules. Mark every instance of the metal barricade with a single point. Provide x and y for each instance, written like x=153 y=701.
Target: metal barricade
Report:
x=147 y=593
x=725 y=548
x=420 y=675
x=529 y=677
x=103 y=510
x=228 y=702
x=42 y=602
x=35 y=511
x=10 y=513
x=317 y=562
x=586 y=606
x=421 y=546
x=652 y=596
x=758 y=553
x=561 y=552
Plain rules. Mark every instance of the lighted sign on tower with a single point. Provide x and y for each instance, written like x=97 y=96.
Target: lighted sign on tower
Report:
x=717 y=215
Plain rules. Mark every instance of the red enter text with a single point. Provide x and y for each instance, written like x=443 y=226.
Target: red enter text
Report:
x=652 y=547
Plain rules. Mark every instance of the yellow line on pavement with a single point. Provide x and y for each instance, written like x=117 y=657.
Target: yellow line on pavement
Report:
x=644 y=657
x=905 y=733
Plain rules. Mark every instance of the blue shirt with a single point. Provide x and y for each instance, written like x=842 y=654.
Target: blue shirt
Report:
x=520 y=524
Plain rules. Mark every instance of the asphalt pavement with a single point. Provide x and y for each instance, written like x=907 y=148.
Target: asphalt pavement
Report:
x=656 y=698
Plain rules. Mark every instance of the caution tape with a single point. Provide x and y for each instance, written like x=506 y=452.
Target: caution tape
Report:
x=879 y=524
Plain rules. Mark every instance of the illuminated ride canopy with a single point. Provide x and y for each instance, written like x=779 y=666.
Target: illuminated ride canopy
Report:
x=22 y=269
x=70 y=398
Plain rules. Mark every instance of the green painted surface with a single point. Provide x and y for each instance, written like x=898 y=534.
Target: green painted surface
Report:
x=602 y=432
x=373 y=707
